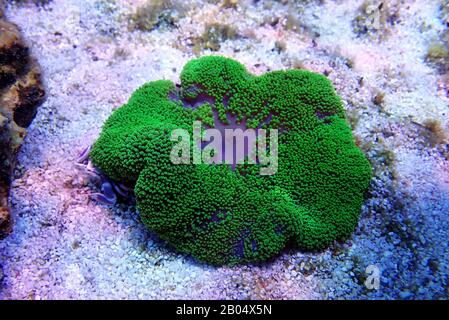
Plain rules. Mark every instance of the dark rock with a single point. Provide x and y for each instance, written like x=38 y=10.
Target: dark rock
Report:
x=21 y=92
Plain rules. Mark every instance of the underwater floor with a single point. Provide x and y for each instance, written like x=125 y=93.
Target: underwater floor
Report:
x=388 y=64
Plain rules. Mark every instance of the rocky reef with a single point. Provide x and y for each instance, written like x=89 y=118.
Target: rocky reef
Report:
x=21 y=92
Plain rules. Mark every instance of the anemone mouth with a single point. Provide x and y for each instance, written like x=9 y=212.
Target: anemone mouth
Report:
x=195 y=96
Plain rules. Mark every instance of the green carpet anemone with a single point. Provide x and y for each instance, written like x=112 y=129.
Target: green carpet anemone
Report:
x=224 y=213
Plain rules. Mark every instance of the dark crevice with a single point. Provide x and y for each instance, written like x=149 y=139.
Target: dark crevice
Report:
x=30 y=98
x=321 y=115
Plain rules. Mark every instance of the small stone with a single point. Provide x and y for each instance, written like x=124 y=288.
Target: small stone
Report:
x=405 y=295
x=422 y=239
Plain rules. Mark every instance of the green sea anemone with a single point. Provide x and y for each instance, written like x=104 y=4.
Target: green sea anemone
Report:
x=224 y=214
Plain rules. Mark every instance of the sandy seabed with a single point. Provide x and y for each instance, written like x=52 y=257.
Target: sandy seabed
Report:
x=64 y=246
